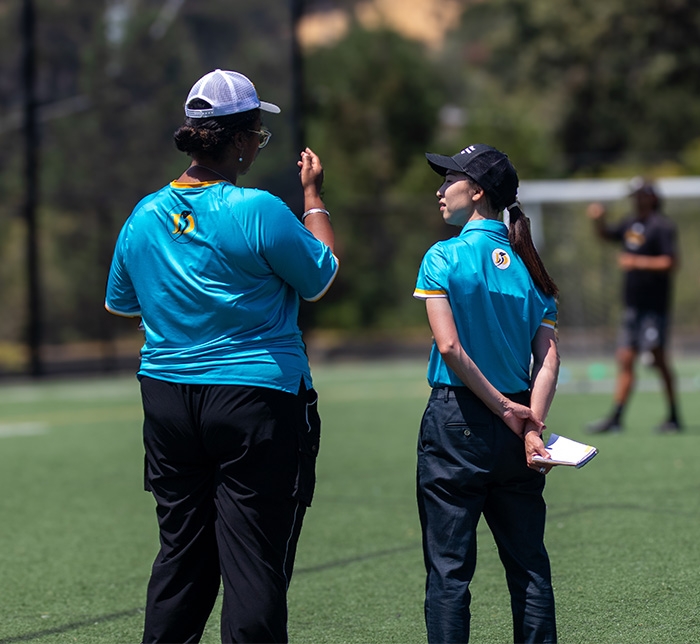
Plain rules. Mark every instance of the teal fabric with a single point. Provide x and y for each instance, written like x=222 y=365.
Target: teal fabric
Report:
x=216 y=272
x=496 y=306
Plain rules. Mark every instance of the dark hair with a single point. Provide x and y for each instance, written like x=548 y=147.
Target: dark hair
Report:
x=647 y=188
x=521 y=242
x=211 y=136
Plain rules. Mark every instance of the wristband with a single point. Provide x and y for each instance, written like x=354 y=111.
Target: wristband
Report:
x=311 y=211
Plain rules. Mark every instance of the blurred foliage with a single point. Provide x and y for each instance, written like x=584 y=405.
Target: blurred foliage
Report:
x=372 y=105
x=111 y=81
x=610 y=80
x=600 y=88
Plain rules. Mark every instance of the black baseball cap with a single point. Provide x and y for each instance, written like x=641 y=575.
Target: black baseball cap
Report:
x=641 y=185
x=487 y=166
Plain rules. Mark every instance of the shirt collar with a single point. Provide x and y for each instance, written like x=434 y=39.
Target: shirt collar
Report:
x=489 y=225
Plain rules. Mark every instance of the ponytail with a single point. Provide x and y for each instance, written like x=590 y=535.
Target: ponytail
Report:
x=521 y=242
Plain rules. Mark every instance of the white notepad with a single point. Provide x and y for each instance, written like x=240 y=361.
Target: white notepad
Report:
x=565 y=451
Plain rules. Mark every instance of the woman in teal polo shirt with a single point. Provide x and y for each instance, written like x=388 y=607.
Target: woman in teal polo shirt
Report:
x=215 y=271
x=493 y=370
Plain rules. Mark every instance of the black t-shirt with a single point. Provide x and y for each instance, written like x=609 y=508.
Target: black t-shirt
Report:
x=656 y=235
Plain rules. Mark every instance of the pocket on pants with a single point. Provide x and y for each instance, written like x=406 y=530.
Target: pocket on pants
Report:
x=309 y=436
x=465 y=442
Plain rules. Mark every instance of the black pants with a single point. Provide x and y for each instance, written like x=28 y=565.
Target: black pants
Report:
x=232 y=471
x=469 y=464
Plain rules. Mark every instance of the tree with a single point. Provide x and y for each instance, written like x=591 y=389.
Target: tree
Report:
x=110 y=90
x=613 y=80
x=372 y=106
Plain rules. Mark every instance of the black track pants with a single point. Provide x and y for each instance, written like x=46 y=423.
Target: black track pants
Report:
x=232 y=471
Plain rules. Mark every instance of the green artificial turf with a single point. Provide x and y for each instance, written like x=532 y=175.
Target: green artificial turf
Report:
x=78 y=534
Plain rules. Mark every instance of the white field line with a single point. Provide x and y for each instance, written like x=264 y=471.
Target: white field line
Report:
x=23 y=429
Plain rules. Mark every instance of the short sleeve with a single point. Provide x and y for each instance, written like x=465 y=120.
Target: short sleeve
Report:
x=550 y=315
x=293 y=253
x=432 y=276
x=667 y=240
x=121 y=296
x=616 y=231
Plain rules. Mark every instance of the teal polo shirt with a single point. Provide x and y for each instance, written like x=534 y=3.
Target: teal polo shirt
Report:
x=495 y=303
x=216 y=272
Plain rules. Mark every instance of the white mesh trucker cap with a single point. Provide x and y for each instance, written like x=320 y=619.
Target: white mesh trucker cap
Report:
x=227 y=93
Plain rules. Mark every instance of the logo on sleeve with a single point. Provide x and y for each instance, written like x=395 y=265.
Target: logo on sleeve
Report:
x=181 y=226
x=500 y=258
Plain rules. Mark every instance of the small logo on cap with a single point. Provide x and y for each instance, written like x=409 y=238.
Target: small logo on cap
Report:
x=500 y=258
x=468 y=150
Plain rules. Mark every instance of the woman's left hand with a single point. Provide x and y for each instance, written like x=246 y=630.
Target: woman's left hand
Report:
x=310 y=173
x=534 y=446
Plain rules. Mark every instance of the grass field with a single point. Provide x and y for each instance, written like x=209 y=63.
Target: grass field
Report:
x=78 y=534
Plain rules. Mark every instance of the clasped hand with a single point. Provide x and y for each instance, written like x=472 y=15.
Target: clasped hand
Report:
x=523 y=421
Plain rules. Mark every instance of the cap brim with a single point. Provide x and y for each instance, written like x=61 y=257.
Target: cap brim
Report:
x=441 y=163
x=639 y=185
x=269 y=107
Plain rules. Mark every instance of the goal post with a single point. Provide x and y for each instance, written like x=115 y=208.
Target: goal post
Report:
x=585 y=268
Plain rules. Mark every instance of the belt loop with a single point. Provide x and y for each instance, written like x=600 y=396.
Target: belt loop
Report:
x=441 y=393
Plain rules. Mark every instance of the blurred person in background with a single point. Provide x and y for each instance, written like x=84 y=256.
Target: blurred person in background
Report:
x=493 y=370
x=231 y=431
x=648 y=258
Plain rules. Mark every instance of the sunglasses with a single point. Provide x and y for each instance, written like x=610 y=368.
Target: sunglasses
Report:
x=264 y=136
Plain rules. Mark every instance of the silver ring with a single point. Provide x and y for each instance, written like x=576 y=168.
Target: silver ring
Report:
x=542 y=470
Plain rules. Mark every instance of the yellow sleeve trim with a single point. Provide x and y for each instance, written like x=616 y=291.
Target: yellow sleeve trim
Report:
x=552 y=324
x=423 y=294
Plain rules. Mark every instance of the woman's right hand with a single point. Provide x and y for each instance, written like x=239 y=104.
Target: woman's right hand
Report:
x=595 y=211
x=310 y=172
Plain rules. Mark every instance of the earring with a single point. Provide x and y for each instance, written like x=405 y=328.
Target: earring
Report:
x=240 y=159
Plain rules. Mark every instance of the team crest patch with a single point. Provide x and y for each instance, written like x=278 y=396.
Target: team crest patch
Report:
x=500 y=258
x=181 y=226
x=634 y=237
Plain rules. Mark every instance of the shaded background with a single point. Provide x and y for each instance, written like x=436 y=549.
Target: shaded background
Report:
x=604 y=88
